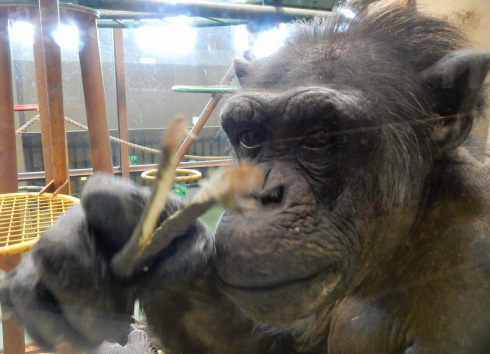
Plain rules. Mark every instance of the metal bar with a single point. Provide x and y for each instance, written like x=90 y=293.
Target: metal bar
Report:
x=42 y=96
x=198 y=8
x=127 y=15
x=50 y=19
x=203 y=117
x=122 y=113
x=93 y=88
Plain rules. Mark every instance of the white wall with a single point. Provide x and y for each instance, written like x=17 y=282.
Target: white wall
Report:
x=473 y=18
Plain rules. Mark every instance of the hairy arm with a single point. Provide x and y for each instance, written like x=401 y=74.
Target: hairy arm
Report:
x=65 y=294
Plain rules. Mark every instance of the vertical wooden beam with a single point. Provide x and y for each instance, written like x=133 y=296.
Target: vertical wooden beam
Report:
x=50 y=19
x=8 y=160
x=122 y=113
x=42 y=97
x=13 y=335
x=93 y=88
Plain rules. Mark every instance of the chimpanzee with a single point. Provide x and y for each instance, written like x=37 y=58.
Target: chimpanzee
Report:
x=372 y=229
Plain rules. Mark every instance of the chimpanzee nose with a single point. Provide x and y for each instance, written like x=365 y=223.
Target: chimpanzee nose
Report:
x=270 y=196
x=276 y=181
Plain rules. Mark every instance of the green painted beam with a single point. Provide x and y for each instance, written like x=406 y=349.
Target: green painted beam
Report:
x=206 y=89
x=117 y=13
x=206 y=9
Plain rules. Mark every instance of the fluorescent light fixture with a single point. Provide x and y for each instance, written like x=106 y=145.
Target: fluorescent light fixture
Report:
x=265 y=43
x=67 y=37
x=148 y=60
x=241 y=40
x=348 y=13
x=171 y=39
x=23 y=33
x=268 y=42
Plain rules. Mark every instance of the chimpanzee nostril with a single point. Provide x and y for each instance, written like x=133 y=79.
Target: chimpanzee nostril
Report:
x=271 y=196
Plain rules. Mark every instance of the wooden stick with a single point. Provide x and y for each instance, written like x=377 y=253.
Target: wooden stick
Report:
x=123 y=262
x=228 y=186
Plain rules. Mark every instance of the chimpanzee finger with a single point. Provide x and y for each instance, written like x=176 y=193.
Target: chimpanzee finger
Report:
x=76 y=273
x=24 y=296
x=112 y=207
x=182 y=260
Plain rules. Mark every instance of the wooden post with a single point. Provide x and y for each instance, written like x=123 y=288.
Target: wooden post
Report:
x=42 y=97
x=8 y=160
x=122 y=113
x=93 y=88
x=50 y=19
x=13 y=335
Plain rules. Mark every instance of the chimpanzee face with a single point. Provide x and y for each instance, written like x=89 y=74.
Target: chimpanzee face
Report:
x=346 y=126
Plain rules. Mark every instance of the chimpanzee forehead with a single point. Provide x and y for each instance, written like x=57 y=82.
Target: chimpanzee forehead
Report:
x=332 y=105
x=363 y=67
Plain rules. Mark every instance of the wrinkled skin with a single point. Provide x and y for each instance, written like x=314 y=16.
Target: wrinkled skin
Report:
x=371 y=232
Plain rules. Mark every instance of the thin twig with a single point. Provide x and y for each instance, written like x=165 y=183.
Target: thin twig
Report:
x=123 y=262
x=227 y=186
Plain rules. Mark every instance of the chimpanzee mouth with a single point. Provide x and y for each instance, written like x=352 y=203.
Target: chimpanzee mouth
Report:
x=283 y=303
x=324 y=276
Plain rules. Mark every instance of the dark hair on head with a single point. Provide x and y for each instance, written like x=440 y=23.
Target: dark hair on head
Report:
x=379 y=51
x=413 y=37
x=384 y=46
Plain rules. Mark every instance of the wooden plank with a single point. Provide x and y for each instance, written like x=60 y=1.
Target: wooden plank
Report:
x=50 y=19
x=93 y=88
x=122 y=112
x=8 y=158
x=42 y=97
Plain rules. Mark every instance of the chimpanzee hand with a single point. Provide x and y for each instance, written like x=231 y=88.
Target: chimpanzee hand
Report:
x=64 y=292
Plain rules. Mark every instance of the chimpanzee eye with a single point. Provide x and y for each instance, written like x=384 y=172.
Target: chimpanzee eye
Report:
x=318 y=140
x=250 y=139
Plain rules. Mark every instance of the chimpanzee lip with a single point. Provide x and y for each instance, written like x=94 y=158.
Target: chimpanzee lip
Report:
x=274 y=286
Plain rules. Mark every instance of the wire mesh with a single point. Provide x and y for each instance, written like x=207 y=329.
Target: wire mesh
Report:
x=24 y=216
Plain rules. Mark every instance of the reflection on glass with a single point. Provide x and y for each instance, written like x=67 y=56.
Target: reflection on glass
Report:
x=67 y=37
x=348 y=12
x=22 y=33
x=241 y=42
x=175 y=38
x=260 y=44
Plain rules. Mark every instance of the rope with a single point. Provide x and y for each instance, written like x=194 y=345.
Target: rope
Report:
x=120 y=141
x=27 y=125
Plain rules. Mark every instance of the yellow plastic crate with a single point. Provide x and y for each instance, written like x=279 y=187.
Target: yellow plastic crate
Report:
x=24 y=216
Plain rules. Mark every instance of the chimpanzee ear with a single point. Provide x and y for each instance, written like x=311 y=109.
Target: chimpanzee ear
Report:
x=242 y=68
x=456 y=81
